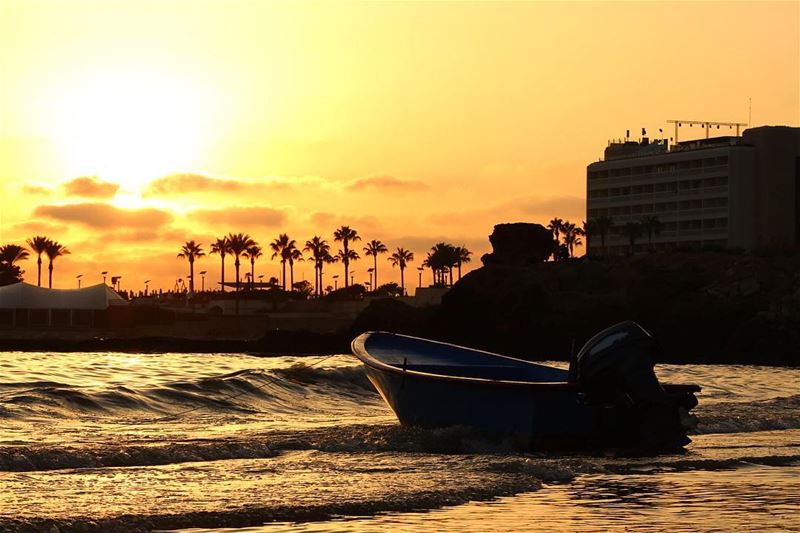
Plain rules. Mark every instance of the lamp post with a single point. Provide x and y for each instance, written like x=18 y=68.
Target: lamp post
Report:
x=78 y=277
x=370 y=270
x=335 y=281
x=419 y=283
x=146 y=284
x=104 y=273
x=202 y=281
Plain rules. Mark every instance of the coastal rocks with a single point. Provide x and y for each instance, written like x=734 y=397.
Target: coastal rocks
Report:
x=388 y=314
x=520 y=243
x=705 y=307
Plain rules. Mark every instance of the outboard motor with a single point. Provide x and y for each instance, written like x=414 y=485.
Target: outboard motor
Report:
x=615 y=370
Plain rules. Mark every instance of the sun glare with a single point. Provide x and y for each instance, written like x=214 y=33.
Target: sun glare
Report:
x=131 y=128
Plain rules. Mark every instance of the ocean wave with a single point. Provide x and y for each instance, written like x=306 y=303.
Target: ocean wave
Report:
x=458 y=481
x=244 y=391
x=28 y=459
x=741 y=417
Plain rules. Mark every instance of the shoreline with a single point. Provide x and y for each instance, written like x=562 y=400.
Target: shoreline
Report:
x=288 y=343
x=272 y=344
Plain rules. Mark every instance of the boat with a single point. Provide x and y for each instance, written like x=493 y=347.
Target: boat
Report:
x=609 y=396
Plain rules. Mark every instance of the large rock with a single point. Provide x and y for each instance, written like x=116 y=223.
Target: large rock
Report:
x=692 y=303
x=519 y=243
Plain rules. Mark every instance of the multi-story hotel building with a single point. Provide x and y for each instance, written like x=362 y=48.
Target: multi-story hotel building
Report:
x=729 y=192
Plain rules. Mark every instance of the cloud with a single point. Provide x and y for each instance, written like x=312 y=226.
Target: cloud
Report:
x=177 y=184
x=40 y=190
x=241 y=216
x=327 y=222
x=386 y=182
x=90 y=187
x=40 y=228
x=105 y=216
x=181 y=184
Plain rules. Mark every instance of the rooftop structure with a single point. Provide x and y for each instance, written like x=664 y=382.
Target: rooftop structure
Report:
x=24 y=305
x=728 y=191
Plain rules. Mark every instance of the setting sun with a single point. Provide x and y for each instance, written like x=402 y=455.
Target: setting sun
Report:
x=131 y=126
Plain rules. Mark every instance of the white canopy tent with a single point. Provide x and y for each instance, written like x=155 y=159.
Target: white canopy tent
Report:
x=26 y=296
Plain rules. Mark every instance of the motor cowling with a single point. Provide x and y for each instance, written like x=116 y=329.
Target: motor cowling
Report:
x=615 y=371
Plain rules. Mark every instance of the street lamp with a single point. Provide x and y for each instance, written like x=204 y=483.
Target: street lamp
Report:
x=335 y=281
x=421 y=269
x=370 y=270
x=202 y=281
x=104 y=273
x=146 y=283
x=78 y=277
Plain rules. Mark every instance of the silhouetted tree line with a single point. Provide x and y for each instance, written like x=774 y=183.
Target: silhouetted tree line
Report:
x=566 y=235
x=11 y=254
x=442 y=259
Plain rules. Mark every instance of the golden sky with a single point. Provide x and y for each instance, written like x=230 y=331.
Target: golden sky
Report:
x=128 y=127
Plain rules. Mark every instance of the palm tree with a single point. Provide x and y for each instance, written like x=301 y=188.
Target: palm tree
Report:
x=571 y=234
x=319 y=249
x=13 y=253
x=253 y=253
x=9 y=271
x=401 y=258
x=443 y=258
x=238 y=243
x=555 y=226
x=463 y=256
x=588 y=231
x=651 y=225
x=38 y=245
x=53 y=250
x=191 y=251
x=292 y=255
x=326 y=258
x=221 y=247
x=602 y=225
x=346 y=235
x=345 y=257
x=374 y=248
x=279 y=247
x=632 y=230
x=428 y=263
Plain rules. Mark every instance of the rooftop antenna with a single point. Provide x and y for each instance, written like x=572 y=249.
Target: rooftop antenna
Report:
x=705 y=124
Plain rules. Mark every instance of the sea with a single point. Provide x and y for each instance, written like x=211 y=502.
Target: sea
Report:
x=238 y=443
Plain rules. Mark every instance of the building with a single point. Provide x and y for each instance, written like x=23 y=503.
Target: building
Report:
x=727 y=192
x=27 y=306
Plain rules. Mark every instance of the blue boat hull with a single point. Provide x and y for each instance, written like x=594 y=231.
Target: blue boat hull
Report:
x=536 y=409
x=430 y=403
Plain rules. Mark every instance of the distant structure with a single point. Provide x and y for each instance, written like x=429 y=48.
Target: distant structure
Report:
x=730 y=191
x=23 y=305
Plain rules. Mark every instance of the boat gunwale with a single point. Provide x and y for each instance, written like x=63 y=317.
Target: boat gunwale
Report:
x=360 y=351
